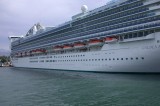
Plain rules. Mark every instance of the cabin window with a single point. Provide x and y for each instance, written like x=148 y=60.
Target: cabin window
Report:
x=125 y=36
x=151 y=31
x=140 y=34
x=121 y=38
x=145 y=33
x=134 y=35
x=130 y=35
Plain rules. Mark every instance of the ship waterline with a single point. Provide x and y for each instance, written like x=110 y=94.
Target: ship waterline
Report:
x=126 y=41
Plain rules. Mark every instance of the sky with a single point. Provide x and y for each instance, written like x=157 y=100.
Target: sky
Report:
x=18 y=16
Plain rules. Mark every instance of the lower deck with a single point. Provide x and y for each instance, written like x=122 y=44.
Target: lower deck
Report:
x=140 y=55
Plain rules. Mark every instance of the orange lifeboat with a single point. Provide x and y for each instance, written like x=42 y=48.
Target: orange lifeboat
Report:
x=94 y=42
x=57 y=48
x=38 y=51
x=33 y=51
x=110 y=39
x=79 y=45
x=66 y=47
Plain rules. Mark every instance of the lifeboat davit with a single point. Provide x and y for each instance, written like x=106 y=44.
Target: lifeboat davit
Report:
x=16 y=54
x=79 y=45
x=28 y=53
x=66 y=47
x=23 y=54
x=57 y=48
x=19 y=55
x=95 y=42
x=110 y=39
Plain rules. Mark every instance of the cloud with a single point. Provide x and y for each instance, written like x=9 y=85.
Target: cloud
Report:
x=17 y=16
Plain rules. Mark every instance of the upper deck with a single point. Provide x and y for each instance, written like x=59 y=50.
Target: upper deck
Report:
x=77 y=18
x=121 y=17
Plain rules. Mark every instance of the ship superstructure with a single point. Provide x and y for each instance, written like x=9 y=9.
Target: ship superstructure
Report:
x=121 y=36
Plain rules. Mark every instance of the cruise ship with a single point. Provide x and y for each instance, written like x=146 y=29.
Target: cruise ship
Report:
x=121 y=36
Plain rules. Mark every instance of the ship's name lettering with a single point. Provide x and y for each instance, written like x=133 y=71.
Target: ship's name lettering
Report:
x=152 y=47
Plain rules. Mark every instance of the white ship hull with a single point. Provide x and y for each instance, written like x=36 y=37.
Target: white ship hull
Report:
x=131 y=55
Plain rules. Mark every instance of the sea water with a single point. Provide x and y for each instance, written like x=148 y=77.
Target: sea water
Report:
x=36 y=87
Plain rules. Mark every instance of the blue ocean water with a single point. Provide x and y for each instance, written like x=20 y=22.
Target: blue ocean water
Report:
x=35 y=87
